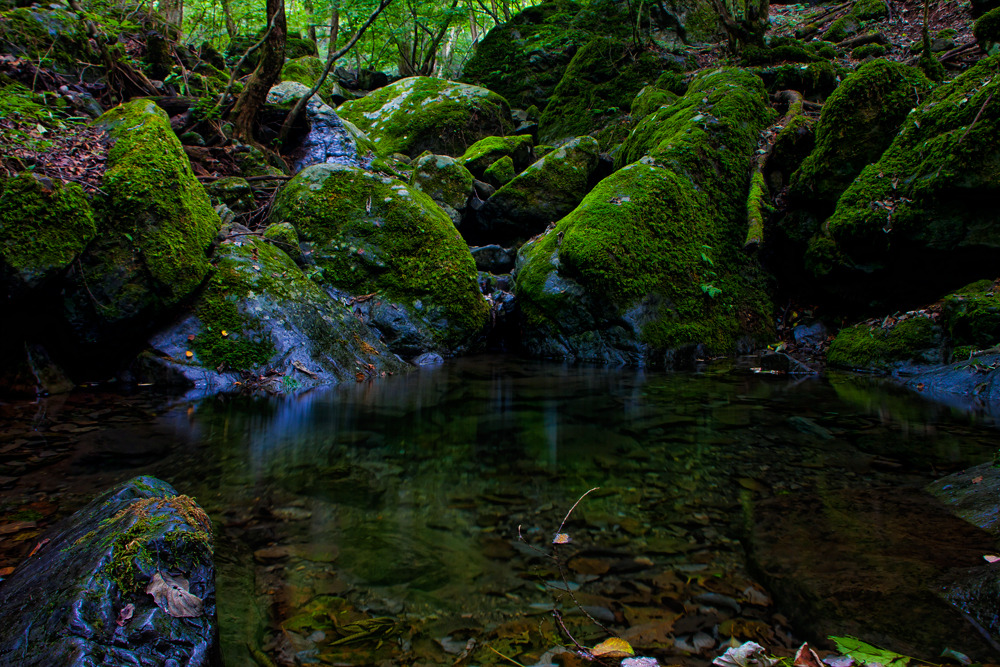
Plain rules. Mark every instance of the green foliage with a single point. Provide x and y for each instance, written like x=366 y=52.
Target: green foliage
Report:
x=867 y=10
x=868 y=51
x=868 y=654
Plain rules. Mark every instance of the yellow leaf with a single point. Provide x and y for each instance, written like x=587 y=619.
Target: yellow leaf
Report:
x=189 y=354
x=561 y=538
x=612 y=648
x=224 y=333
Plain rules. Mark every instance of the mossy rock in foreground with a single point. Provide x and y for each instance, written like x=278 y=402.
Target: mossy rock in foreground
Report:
x=44 y=226
x=259 y=311
x=648 y=267
x=447 y=182
x=66 y=604
x=156 y=229
x=922 y=220
x=971 y=315
x=371 y=234
x=420 y=114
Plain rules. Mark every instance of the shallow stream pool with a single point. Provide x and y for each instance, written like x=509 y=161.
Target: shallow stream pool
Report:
x=410 y=521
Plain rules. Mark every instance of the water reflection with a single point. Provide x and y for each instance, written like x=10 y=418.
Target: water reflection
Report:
x=379 y=522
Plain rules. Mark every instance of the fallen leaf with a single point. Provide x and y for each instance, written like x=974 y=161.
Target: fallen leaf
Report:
x=172 y=596
x=866 y=653
x=224 y=333
x=189 y=354
x=612 y=648
x=561 y=538
x=990 y=558
x=748 y=654
x=125 y=614
x=977 y=480
x=38 y=546
x=190 y=336
x=806 y=657
x=299 y=366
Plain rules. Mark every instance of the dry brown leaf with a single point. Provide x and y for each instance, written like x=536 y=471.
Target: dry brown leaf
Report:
x=806 y=657
x=172 y=596
x=612 y=648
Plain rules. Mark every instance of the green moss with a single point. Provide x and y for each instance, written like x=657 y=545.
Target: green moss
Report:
x=868 y=51
x=46 y=35
x=867 y=10
x=858 y=122
x=971 y=315
x=284 y=236
x=929 y=189
x=815 y=80
x=649 y=99
x=232 y=338
x=779 y=50
x=307 y=70
x=488 y=150
x=155 y=199
x=877 y=348
x=673 y=82
x=597 y=87
x=841 y=29
x=421 y=113
x=44 y=226
x=370 y=234
x=825 y=50
x=661 y=236
x=234 y=192
x=987 y=31
x=500 y=173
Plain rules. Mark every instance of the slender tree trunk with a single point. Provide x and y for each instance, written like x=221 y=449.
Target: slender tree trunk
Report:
x=172 y=12
x=268 y=70
x=334 y=26
x=310 y=27
x=227 y=13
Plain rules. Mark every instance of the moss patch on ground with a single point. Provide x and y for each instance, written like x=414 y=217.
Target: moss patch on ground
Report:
x=878 y=348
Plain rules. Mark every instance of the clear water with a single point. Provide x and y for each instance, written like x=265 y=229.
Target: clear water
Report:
x=410 y=521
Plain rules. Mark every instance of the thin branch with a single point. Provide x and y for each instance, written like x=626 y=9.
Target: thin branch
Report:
x=236 y=68
x=566 y=518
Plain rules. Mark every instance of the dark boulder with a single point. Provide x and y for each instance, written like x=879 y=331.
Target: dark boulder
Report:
x=127 y=580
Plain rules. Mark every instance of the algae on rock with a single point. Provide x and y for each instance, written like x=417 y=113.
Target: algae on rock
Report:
x=373 y=235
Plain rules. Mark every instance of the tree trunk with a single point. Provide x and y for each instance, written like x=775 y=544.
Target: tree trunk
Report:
x=268 y=70
x=227 y=13
x=310 y=27
x=172 y=12
x=331 y=46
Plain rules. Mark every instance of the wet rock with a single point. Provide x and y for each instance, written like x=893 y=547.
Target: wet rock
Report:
x=810 y=334
x=331 y=140
x=81 y=599
x=234 y=192
x=493 y=258
x=260 y=313
x=428 y=359
x=420 y=114
x=969 y=383
x=780 y=362
x=866 y=563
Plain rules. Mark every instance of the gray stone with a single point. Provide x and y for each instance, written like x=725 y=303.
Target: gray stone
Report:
x=494 y=258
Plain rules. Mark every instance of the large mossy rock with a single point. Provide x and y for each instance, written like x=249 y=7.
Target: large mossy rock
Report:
x=858 y=122
x=260 y=312
x=105 y=586
x=537 y=197
x=888 y=346
x=44 y=226
x=307 y=70
x=597 y=87
x=150 y=253
x=447 y=182
x=648 y=266
x=420 y=114
x=480 y=155
x=52 y=32
x=373 y=235
x=922 y=219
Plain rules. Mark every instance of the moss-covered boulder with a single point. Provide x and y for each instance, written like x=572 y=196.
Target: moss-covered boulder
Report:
x=537 y=197
x=44 y=226
x=500 y=173
x=127 y=580
x=987 y=31
x=858 y=122
x=887 y=344
x=150 y=253
x=648 y=267
x=260 y=312
x=447 y=182
x=420 y=114
x=922 y=220
x=234 y=192
x=52 y=32
x=307 y=70
x=650 y=99
x=373 y=235
x=971 y=316
x=485 y=152
x=597 y=87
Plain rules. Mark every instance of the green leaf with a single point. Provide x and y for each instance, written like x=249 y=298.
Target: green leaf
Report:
x=869 y=654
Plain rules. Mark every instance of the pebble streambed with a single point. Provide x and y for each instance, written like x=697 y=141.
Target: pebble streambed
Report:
x=410 y=521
